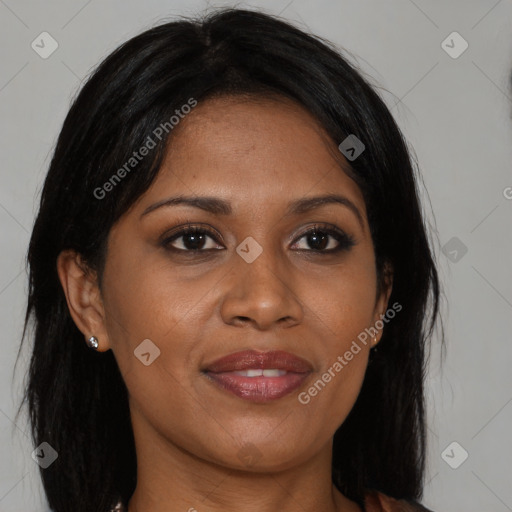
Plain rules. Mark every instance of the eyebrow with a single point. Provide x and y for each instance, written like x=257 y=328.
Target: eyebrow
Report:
x=219 y=206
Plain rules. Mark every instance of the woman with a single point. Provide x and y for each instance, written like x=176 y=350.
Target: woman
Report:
x=230 y=281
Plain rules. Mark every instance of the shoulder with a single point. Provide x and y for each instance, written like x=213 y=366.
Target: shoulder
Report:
x=377 y=502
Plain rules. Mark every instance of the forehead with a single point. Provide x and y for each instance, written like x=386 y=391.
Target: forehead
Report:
x=253 y=151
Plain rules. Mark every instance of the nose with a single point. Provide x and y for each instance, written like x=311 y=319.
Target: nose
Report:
x=261 y=293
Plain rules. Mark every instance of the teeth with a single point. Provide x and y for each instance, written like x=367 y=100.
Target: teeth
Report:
x=261 y=373
x=273 y=373
x=253 y=373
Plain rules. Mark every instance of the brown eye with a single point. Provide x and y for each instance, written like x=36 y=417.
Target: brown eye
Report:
x=327 y=240
x=194 y=239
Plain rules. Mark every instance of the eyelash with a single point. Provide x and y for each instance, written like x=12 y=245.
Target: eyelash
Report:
x=345 y=241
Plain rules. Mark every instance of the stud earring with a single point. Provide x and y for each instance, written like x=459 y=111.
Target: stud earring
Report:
x=92 y=342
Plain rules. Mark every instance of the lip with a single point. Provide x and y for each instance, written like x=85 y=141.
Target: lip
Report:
x=260 y=388
x=249 y=359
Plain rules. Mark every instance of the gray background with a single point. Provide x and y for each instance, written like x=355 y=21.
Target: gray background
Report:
x=455 y=113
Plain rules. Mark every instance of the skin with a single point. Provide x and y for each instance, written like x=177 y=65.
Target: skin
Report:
x=258 y=154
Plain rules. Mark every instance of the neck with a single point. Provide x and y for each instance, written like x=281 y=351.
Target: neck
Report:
x=170 y=479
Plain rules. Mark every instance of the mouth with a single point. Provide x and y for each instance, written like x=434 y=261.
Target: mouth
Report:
x=259 y=376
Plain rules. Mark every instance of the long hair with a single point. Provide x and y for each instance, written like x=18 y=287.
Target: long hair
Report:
x=76 y=397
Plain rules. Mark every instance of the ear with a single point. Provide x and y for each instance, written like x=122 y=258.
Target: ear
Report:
x=83 y=297
x=381 y=304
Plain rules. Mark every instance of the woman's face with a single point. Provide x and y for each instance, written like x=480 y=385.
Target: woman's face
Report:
x=254 y=283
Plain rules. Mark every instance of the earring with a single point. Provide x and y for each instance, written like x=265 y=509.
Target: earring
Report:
x=374 y=348
x=92 y=342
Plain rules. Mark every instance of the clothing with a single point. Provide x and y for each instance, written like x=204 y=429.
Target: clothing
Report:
x=373 y=502
x=378 y=502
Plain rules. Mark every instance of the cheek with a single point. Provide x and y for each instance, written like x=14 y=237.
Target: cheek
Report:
x=151 y=302
x=143 y=303
x=147 y=300
x=343 y=302
x=157 y=302
x=343 y=308
x=333 y=391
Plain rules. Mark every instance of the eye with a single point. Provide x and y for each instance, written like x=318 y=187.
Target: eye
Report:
x=327 y=239
x=194 y=239
x=324 y=239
